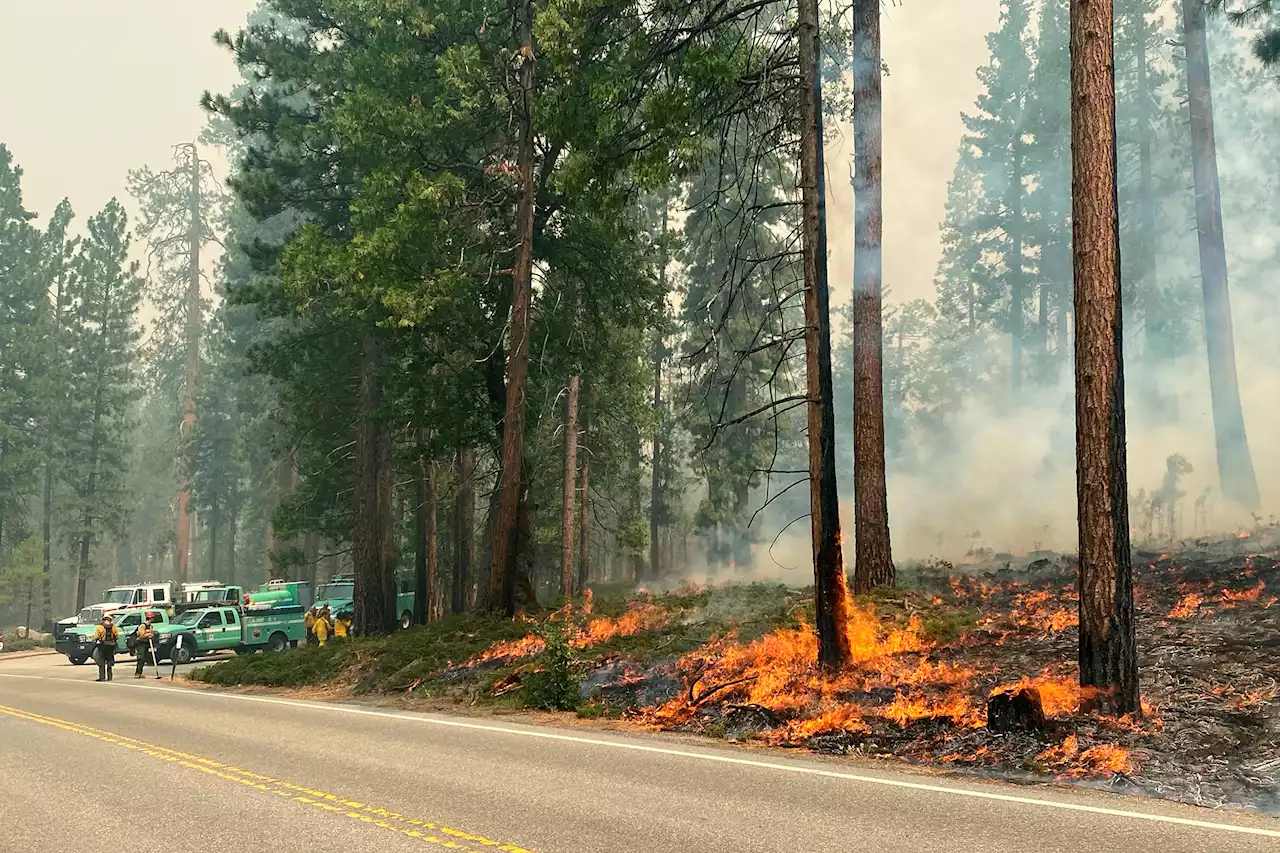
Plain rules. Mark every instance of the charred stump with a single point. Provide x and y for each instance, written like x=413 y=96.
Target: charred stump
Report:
x=1013 y=710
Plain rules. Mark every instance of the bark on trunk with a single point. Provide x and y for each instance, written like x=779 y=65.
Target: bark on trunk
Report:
x=433 y=550
x=215 y=522
x=655 y=485
x=1146 y=185
x=191 y=374
x=1017 y=295
x=465 y=533
x=268 y=545
x=1235 y=464
x=231 y=550
x=873 y=560
x=502 y=577
x=570 y=485
x=422 y=582
x=584 y=562
x=831 y=605
x=1108 y=653
x=375 y=611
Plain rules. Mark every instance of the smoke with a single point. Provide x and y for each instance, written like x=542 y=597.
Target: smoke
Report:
x=1003 y=480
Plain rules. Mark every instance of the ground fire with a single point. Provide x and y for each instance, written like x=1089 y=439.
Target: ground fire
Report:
x=919 y=692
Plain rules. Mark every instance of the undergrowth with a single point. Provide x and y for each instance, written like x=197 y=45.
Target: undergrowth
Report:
x=432 y=660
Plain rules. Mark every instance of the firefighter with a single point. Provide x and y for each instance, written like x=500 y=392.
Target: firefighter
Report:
x=142 y=639
x=104 y=647
x=309 y=623
x=342 y=625
x=321 y=626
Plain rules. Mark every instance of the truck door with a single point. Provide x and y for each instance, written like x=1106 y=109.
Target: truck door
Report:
x=139 y=597
x=209 y=630
x=232 y=633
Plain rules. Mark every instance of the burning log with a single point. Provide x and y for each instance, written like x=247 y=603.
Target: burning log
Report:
x=1010 y=710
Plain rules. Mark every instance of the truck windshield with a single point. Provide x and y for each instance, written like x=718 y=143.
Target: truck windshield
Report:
x=118 y=596
x=219 y=594
x=89 y=615
x=337 y=592
x=191 y=617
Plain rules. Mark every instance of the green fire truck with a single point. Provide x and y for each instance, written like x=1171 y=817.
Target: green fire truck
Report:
x=340 y=593
x=267 y=619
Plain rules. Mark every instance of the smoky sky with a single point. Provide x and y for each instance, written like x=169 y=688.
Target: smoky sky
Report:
x=92 y=88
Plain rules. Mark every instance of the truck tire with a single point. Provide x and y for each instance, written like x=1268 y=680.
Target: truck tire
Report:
x=406 y=620
x=278 y=642
x=243 y=650
x=75 y=661
x=182 y=654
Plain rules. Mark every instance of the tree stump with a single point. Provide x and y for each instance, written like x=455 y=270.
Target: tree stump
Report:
x=1010 y=710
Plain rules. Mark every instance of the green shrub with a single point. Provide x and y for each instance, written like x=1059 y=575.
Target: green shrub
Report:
x=554 y=687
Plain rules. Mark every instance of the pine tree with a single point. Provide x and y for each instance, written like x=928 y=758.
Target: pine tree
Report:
x=23 y=310
x=104 y=295
x=179 y=209
x=1049 y=204
x=57 y=255
x=998 y=132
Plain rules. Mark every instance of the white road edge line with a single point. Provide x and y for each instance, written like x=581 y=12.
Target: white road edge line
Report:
x=701 y=756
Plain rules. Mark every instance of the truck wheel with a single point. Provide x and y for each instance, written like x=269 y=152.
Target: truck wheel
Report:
x=278 y=642
x=406 y=620
x=182 y=654
x=243 y=650
x=75 y=661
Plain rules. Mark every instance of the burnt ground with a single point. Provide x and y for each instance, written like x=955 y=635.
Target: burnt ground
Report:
x=736 y=662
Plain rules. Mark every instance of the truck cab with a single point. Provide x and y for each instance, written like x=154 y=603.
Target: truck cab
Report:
x=151 y=594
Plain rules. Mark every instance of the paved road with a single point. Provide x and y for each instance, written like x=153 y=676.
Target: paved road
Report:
x=255 y=773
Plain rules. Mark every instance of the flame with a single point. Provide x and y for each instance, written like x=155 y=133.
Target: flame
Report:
x=1250 y=594
x=640 y=616
x=1059 y=695
x=1187 y=607
x=1105 y=759
x=779 y=672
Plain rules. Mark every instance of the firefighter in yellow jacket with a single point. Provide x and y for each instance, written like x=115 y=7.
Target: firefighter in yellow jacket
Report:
x=321 y=626
x=342 y=626
x=105 y=638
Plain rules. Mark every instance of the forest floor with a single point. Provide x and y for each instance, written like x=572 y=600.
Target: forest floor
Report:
x=736 y=662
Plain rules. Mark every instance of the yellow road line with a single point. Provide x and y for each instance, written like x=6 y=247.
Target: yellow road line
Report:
x=421 y=830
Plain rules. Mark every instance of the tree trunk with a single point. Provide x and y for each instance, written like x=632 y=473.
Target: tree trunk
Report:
x=570 y=485
x=231 y=549
x=502 y=579
x=215 y=522
x=375 y=611
x=465 y=533
x=655 y=486
x=1235 y=465
x=1146 y=183
x=268 y=546
x=831 y=605
x=191 y=374
x=422 y=583
x=1016 y=285
x=46 y=576
x=873 y=560
x=584 y=562
x=433 y=565
x=1108 y=648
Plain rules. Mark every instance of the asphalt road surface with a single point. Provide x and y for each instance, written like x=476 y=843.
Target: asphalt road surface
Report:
x=193 y=770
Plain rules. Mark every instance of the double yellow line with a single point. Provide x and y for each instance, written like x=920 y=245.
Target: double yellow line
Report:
x=421 y=830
